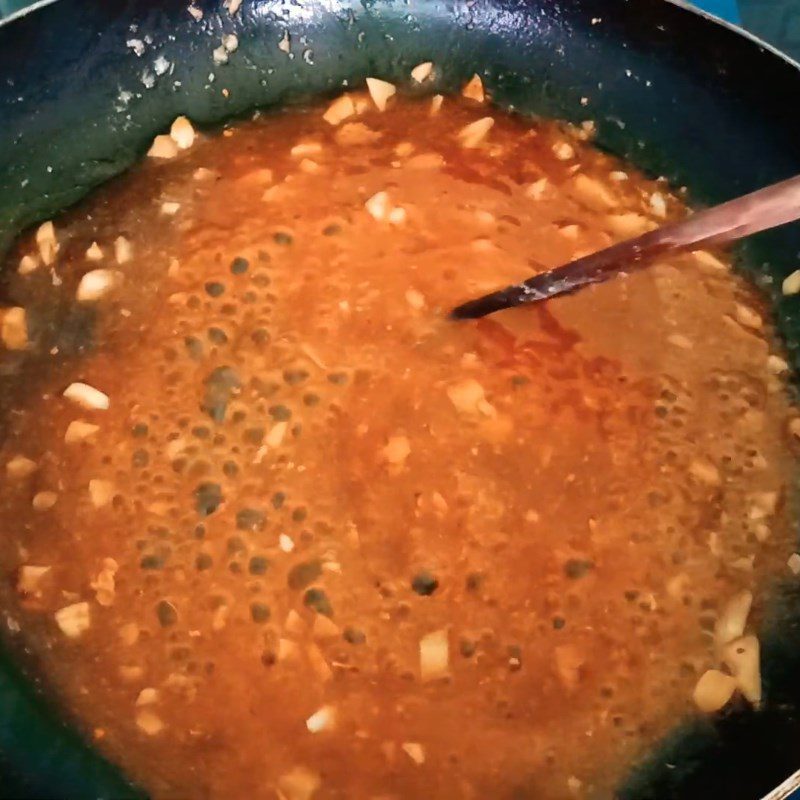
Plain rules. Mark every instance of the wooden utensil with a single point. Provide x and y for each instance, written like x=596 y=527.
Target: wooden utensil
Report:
x=766 y=208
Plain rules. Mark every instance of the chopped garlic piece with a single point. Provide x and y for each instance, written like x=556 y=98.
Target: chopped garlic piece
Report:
x=260 y=177
x=149 y=722
x=27 y=264
x=536 y=190
x=415 y=299
x=182 y=131
x=321 y=720
x=764 y=504
x=378 y=206
x=679 y=340
x=318 y=663
x=705 y=472
x=147 y=697
x=593 y=193
x=47 y=242
x=170 y=208
x=87 y=396
x=404 y=149
x=747 y=317
x=439 y=503
x=174 y=448
x=104 y=584
x=299 y=784
x=74 y=620
x=742 y=656
x=294 y=623
x=436 y=103
x=628 y=224
x=309 y=167
x=20 y=467
x=219 y=618
x=101 y=492
x=129 y=633
x=273 y=193
x=704 y=258
x=397 y=216
x=287 y=650
x=469 y=397
x=397 y=450
x=325 y=628
x=745 y=563
x=94 y=252
x=340 y=109
x=569 y=661
x=473 y=90
x=302 y=149
x=434 y=655
x=794 y=563
x=80 y=431
x=761 y=531
x=570 y=231
x=276 y=434
x=361 y=103
x=483 y=245
x=163 y=146
x=123 y=250
x=563 y=151
x=713 y=690
x=422 y=72
x=415 y=751
x=791 y=283
x=658 y=205
x=776 y=365
x=29 y=577
x=356 y=133
x=204 y=174
x=14 y=330
x=286 y=543
x=130 y=674
x=473 y=134
x=731 y=622
x=43 y=501
x=96 y=284
x=380 y=92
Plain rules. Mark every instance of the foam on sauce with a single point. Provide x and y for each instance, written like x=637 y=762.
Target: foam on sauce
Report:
x=323 y=541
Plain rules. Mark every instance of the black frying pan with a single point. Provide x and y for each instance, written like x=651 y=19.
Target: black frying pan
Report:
x=674 y=91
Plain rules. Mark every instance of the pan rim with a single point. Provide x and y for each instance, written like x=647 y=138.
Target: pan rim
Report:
x=724 y=23
x=23 y=12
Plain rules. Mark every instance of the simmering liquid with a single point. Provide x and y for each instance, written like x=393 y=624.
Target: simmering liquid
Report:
x=323 y=541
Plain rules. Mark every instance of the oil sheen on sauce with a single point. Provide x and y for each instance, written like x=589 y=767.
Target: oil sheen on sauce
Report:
x=324 y=542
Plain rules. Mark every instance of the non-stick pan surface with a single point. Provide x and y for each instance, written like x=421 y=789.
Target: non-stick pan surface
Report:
x=677 y=93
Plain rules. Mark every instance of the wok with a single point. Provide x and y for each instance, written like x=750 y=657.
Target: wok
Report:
x=678 y=93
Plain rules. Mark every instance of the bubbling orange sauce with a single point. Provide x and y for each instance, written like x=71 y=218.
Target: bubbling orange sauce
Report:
x=320 y=541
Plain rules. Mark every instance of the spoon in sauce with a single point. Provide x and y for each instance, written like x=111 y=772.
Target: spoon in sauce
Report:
x=759 y=211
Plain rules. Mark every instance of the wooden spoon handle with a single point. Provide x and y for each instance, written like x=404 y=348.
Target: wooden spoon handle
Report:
x=766 y=208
